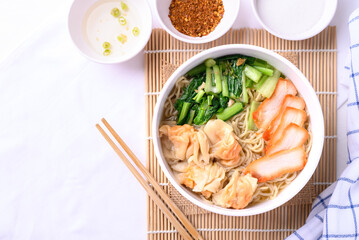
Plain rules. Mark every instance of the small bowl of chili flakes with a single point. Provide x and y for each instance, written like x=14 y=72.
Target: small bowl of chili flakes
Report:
x=197 y=21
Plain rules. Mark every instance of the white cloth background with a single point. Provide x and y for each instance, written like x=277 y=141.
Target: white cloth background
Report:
x=58 y=178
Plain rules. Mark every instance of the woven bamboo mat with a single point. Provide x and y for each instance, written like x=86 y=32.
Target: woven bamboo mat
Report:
x=316 y=58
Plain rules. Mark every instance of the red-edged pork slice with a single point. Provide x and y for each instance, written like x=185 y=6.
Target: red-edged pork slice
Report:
x=270 y=107
x=290 y=115
x=293 y=136
x=272 y=166
x=289 y=101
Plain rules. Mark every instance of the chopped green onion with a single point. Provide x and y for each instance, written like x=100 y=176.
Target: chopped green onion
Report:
x=122 y=20
x=124 y=6
x=115 y=12
x=106 y=52
x=106 y=45
x=122 y=38
x=136 y=31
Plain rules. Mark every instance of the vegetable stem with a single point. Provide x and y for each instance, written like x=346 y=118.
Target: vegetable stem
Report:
x=225 y=91
x=252 y=73
x=209 y=99
x=268 y=86
x=199 y=96
x=230 y=112
x=210 y=62
x=191 y=116
x=244 y=89
x=197 y=70
x=208 y=86
x=218 y=80
x=265 y=71
x=251 y=125
x=182 y=117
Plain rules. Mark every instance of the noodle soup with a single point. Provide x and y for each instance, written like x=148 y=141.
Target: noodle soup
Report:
x=235 y=131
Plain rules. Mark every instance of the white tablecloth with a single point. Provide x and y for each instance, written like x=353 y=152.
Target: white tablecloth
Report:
x=58 y=178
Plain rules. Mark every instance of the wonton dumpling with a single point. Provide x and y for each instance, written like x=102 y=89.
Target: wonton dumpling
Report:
x=237 y=193
x=176 y=141
x=185 y=142
x=200 y=149
x=206 y=180
x=225 y=145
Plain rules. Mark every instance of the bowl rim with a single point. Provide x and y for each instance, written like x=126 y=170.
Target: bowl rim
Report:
x=195 y=40
x=131 y=55
x=304 y=35
x=245 y=211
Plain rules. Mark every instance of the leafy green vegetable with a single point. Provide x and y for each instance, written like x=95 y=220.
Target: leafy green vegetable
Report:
x=224 y=80
x=223 y=101
x=235 y=80
x=249 y=60
x=196 y=70
x=189 y=93
x=206 y=112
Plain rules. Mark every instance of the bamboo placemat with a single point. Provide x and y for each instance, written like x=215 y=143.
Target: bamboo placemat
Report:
x=316 y=58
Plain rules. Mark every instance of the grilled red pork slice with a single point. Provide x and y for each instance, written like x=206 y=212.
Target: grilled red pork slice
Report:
x=273 y=166
x=289 y=101
x=290 y=115
x=293 y=136
x=270 y=107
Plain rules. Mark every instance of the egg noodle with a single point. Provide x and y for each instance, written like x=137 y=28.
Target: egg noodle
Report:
x=252 y=142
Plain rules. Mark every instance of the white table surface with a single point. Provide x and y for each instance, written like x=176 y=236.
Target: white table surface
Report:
x=83 y=191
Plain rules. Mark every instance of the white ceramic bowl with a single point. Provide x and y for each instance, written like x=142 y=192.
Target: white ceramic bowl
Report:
x=327 y=15
x=231 y=8
x=75 y=26
x=304 y=88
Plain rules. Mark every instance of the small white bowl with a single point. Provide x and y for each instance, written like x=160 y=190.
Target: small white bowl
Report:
x=305 y=90
x=231 y=8
x=76 y=16
x=282 y=25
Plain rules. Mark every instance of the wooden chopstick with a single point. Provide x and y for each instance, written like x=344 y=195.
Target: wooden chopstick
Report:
x=179 y=217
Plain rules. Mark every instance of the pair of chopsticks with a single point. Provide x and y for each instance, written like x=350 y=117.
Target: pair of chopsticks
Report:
x=162 y=200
